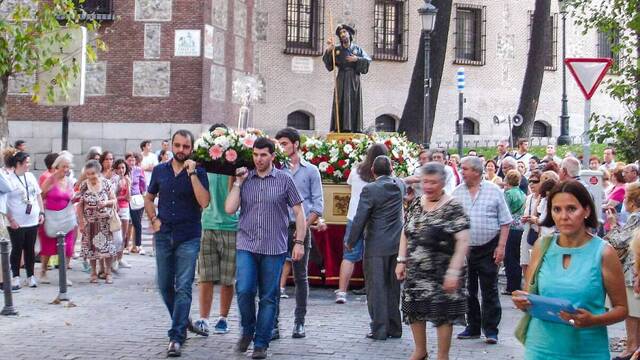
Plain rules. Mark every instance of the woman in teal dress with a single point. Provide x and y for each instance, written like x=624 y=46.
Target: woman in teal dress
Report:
x=579 y=267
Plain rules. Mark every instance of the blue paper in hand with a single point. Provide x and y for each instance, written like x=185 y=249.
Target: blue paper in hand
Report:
x=548 y=309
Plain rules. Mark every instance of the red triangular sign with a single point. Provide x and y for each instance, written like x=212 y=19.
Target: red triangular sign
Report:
x=588 y=73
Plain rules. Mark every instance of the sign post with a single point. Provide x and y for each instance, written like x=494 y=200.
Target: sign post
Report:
x=460 y=125
x=588 y=73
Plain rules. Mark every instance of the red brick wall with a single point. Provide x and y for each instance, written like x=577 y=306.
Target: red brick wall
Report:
x=188 y=100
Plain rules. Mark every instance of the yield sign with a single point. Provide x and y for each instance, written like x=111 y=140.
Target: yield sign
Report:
x=588 y=73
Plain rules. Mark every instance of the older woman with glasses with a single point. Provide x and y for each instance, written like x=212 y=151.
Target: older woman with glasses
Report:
x=434 y=243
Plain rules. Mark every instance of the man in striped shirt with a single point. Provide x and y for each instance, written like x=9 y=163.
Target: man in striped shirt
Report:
x=263 y=196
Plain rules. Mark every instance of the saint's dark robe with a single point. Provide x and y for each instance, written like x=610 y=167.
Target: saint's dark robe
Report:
x=349 y=91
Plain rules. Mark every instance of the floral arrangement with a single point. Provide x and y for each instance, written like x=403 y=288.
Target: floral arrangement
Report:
x=335 y=159
x=230 y=149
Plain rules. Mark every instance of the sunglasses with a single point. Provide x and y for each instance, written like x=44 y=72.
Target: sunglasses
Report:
x=534 y=181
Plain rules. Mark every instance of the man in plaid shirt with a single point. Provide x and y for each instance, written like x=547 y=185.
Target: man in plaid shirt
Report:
x=490 y=218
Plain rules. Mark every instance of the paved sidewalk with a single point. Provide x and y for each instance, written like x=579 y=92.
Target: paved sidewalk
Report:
x=127 y=320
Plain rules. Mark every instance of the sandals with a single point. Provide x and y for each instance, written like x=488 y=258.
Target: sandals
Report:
x=93 y=279
x=108 y=279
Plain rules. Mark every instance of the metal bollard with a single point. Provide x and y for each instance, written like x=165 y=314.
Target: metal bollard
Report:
x=62 y=268
x=8 y=308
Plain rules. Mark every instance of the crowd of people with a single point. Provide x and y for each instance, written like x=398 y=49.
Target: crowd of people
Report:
x=432 y=244
x=101 y=211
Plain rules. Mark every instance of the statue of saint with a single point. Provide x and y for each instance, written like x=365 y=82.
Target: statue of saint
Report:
x=351 y=61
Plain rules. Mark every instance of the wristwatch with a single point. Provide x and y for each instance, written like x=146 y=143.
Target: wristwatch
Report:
x=192 y=173
x=298 y=242
x=401 y=260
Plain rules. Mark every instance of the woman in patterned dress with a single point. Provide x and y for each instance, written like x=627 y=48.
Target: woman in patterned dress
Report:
x=95 y=207
x=433 y=247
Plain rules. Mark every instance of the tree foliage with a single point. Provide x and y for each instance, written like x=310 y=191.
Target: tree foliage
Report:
x=620 y=19
x=30 y=34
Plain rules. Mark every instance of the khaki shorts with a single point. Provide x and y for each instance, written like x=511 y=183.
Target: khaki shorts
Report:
x=217 y=259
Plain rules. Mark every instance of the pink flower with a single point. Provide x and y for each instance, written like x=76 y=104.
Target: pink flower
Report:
x=248 y=142
x=231 y=155
x=215 y=152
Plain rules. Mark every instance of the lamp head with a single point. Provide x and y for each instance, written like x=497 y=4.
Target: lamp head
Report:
x=428 y=14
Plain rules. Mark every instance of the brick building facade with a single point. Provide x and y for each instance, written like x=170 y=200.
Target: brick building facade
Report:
x=141 y=89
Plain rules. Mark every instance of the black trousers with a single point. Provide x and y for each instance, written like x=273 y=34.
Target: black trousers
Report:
x=383 y=296
x=136 y=221
x=23 y=240
x=483 y=270
x=512 y=267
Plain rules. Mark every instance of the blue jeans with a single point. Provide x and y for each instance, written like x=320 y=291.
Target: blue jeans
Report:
x=256 y=273
x=176 y=267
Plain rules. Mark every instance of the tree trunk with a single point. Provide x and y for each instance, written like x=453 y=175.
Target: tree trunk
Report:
x=4 y=120
x=534 y=74
x=411 y=122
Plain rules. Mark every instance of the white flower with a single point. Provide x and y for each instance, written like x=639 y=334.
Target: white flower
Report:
x=337 y=173
x=222 y=141
x=208 y=137
x=308 y=155
x=323 y=166
x=199 y=143
x=347 y=149
x=334 y=152
x=333 y=159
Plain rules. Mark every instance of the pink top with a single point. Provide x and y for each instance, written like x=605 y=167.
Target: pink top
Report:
x=57 y=198
x=617 y=194
x=122 y=193
x=43 y=177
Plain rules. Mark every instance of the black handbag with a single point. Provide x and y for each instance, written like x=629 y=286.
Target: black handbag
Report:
x=532 y=236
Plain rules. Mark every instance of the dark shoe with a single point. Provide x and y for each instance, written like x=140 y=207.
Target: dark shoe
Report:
x=174 y=349
x=197 y=329
x=362 y=291
x=374 y=337
x=243 y=344
x=394 y=336
x=468 y=334
x=298 y=331
x=275 y=334
x=259 y=353
x=491 y=339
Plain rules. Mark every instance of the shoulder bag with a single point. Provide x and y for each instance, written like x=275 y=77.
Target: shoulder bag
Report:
x=114 y=220
x=63 y=221
x=523 y=325
x=136 y=202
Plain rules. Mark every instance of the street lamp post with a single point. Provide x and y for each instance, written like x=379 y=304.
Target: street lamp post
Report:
x=564 y=138
x=428 y=16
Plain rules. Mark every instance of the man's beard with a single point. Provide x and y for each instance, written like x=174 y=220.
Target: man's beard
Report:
x=344 y=40
x=180 y=157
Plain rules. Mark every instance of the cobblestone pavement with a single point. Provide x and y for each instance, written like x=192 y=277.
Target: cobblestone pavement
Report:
x=127 y=320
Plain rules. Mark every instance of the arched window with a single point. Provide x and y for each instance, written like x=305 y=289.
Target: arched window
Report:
x=470 y=127
x=300 y=120
x=386 y=123
x=541 y=129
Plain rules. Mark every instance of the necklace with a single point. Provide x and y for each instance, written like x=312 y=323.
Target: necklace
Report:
x=438 y=203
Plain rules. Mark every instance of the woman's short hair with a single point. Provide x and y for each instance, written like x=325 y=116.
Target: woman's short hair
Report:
x=434 y=168
x=581 y=193
x=49 y=160
x=633 y=194
x=547 y=186
x=491 y=161
x=60 y=159
x=549 y=174
x=18 y=158
x=513 y=177
x=93 y=164
x=618 y=174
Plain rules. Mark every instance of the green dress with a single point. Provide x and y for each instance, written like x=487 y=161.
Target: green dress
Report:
x=581 y=283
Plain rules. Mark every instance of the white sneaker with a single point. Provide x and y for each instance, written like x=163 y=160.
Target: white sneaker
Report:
x=123 y=264
x=341 y=297
x=152 y=253
x=115 y=266
x=283 y=294
x=15 y=283
x=32 y=281
x=69 y=283
x=44 y=279
x=141 y=252
x=125 y=251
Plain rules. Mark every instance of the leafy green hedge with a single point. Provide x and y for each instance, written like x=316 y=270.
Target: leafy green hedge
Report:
x=540 y=151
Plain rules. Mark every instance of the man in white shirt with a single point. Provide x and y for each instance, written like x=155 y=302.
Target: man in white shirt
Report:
x=551 y=154
x=149 y=159
x=609 y=159
x=439 y=155
x=166 y=146
x=523 y=152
